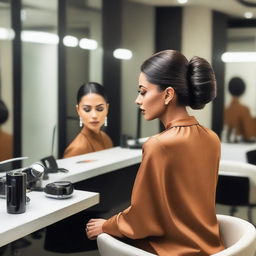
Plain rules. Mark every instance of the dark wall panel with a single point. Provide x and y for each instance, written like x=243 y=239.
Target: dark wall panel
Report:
x=62 y=122
x=219 y=43
x=111 y=25
x=17 y=76
x=168 y=28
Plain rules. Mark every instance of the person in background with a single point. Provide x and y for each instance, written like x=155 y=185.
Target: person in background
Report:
x=6 y=139
x=172 y=210
x=92 y=108
x=237 y=117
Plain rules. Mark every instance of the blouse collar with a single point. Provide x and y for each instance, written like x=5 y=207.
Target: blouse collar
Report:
x=188 y=121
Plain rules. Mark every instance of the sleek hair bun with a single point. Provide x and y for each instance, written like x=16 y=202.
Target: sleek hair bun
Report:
x=201 y=82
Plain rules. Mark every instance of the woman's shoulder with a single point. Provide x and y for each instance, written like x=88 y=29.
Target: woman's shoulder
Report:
x=107 y=139
x=78 y=146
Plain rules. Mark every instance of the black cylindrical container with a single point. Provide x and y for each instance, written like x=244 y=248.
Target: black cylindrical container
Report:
x=16 y=192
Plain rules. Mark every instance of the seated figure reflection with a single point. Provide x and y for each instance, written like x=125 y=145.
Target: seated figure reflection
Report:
x=237 y=117
x=6 y=139
x=92 y=108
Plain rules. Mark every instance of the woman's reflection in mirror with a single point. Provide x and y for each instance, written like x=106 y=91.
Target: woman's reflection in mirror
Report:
x=239 y=124
x=6 y=139
x=92 y=109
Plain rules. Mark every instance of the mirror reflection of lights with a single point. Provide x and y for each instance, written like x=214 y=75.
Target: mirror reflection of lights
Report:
x=248 y=15
x=182 y=1
x=39 y=37
x=70 y=41
x=48 y=38
x=239 y=57
x=123 y=54
x=6 y=34
x=88 y=44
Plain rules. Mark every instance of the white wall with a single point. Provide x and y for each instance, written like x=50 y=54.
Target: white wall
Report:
x=39 y=100
x=197 y=40
x=138 y=36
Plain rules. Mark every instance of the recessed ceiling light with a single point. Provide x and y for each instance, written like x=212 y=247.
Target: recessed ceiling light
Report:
x=239 y=57
x=88 y=44
x=182 y=1
x=248 y=15
x=123 y=54
x=70 y=41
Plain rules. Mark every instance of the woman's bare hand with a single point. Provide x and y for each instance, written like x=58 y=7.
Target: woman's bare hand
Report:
x=94 y=228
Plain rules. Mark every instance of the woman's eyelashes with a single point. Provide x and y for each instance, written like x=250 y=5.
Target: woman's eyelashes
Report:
x=142 y=92
x=97 y=108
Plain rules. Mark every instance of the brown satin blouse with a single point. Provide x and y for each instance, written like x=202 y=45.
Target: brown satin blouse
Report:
x=172 y=211
x=238 y=117
x=88 y=141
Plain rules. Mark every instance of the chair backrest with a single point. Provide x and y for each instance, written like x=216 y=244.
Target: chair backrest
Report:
x=233 y=190
x=236 y=168
x=251 y=157
x=110 y=246
x=239 y=237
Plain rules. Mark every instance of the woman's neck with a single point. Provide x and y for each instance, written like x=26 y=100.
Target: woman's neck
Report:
x=173 y=112
x=92 y=131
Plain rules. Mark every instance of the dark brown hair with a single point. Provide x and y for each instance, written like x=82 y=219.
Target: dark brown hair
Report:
x=193 y=81
x=3 y=112
x=91 y=87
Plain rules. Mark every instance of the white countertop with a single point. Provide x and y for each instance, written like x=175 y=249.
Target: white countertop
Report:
x=95 y=164
x=236 y=151
x=40 y=212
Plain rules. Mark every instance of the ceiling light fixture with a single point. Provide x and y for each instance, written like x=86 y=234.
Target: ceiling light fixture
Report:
x=39 y=37
x=239 y=57
x=70 y=41
x=6 y=34
x=182 y=1
x=88 y=44
x=248 y=15
x=122 y=54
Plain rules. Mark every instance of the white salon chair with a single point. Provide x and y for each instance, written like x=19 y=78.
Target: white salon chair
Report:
x=239 y=237
x=237 y=185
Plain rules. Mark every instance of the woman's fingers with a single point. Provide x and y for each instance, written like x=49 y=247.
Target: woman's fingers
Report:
x=94 y=228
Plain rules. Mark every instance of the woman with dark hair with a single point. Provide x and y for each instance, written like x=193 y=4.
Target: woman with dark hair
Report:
x=92 y=108
x=237 y=117
x=172 y=209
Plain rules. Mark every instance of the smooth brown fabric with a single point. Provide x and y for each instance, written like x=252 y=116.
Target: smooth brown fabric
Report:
x=238 y=117
x=88 y=141
x=172 y=210
x=6 y=146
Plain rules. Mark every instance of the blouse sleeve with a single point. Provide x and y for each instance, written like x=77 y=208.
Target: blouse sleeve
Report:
x=142 y=217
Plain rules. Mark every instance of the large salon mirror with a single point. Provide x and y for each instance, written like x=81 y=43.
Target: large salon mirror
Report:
x=40 y=69
x=39 y=78
x=6 y=124
x=242 y=40
x=83 y=54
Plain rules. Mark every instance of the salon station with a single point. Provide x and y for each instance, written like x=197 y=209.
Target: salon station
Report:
x=51 y=53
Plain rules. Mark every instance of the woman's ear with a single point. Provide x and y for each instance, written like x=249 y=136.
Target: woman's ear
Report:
x=169 y=95
x=77 y=109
